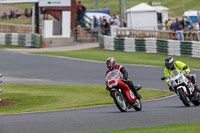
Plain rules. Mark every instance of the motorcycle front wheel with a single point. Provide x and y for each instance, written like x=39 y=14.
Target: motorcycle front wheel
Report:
x=183 y=97
x=138 y=105
x=119 y=101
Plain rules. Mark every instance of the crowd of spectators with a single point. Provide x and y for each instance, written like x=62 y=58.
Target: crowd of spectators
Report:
x=105 y=23
x=186 y=24
x=16 y=14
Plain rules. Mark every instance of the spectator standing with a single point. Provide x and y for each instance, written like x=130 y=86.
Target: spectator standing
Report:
x=196 y=26
x=183 y=23
x=178 y=24
x=100 y=21
x=188 y=27
x=79 y=5
x=111 y=20
x=169 y=22
x=80 y=12
x=173 y=26
x=105 y=27
x=95 y=21
x=79 y=9
x=116 y=20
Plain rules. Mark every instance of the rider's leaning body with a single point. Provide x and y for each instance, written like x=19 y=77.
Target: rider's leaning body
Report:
x=177 y=65
x=170 y=64
x=112 y=65
x=121 y=69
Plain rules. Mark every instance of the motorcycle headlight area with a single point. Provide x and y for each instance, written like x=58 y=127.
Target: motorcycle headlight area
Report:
x=112 y=83
x=173 y=83
x=178 y=80
x=182 y=79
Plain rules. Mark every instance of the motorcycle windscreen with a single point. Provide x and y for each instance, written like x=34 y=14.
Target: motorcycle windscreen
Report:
x=113 y=74
x=174 y=73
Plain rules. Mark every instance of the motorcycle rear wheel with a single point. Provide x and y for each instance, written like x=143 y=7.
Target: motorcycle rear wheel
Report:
x=119 y=101
x=184 y=98
x=138 y=105
x=197 y=101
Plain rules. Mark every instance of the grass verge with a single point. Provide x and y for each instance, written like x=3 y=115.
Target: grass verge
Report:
x=24 y=21
x=124 y=57
x=10 y=46
x=31 y=98
x=176 y=128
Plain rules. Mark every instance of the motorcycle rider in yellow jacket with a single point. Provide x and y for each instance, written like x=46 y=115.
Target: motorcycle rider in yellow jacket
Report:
x=170 y=64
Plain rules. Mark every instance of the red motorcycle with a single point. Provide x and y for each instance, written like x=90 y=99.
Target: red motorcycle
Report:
x=122 y=95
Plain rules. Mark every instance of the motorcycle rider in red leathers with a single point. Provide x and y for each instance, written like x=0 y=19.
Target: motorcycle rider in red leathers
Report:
x=111 y=65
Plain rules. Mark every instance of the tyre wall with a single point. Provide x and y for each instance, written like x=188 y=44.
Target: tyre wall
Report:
x=27 y=40
x=151 y=45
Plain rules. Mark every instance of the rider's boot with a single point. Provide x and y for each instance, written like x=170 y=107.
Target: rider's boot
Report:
x=135 y=92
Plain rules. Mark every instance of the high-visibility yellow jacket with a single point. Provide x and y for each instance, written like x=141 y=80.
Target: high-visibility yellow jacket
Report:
x=177 y=65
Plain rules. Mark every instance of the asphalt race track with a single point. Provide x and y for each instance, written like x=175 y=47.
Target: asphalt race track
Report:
x=40 y=69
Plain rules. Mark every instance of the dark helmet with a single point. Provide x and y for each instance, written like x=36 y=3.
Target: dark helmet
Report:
x=169 y=62
x=111 y=62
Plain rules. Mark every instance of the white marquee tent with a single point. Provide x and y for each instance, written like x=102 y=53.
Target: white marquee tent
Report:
x=142 y=16
x=164 y=12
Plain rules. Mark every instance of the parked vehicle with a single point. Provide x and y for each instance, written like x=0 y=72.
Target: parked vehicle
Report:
x=183 y=87
x=122 y=95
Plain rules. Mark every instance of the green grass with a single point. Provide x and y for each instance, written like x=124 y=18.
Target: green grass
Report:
x=24 y=6
x=176 y=128
x=124 y=57
x=31 y=98
x=25 y=21
x=10 y=46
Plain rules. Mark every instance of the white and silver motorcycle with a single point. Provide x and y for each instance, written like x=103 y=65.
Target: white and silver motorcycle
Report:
x=183 y=87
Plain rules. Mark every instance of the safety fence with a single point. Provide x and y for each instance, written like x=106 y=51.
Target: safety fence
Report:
x=151 y=45
x=81 y=34
x=28 y=40
x=172 y=35
x=14 y=28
